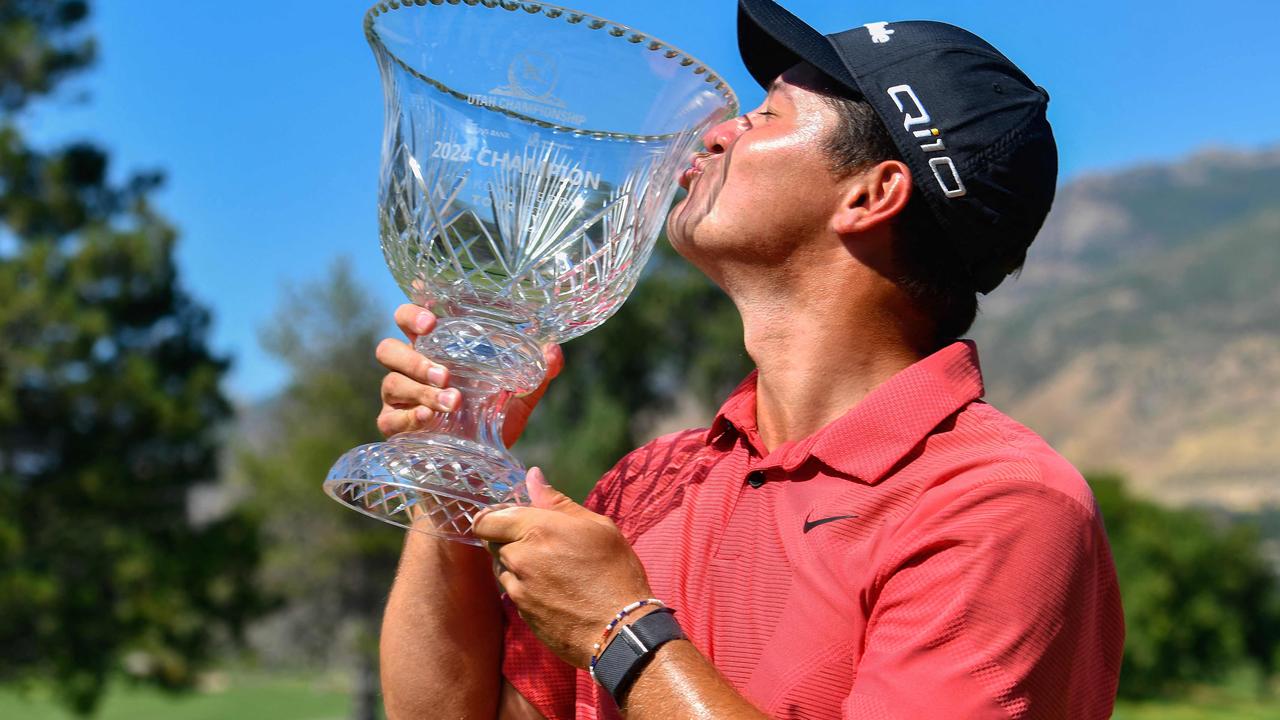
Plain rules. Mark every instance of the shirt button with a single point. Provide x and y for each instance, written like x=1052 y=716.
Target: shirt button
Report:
x=755 y=478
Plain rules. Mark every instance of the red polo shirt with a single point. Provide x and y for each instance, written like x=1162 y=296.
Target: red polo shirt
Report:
x=923 y=556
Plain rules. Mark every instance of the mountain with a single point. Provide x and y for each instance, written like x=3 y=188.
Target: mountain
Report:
x=1144 y=334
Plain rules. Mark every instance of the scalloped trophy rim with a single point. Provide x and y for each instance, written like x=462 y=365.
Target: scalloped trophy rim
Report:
x=619 y=30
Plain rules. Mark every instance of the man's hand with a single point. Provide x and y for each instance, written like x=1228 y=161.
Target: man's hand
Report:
x=567 y=569
x=417 y=388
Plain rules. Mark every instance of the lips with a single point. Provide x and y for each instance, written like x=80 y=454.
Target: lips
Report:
x=686 y=177
x=695 y=168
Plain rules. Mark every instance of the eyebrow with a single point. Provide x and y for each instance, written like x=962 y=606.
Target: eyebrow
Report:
x=779 y=86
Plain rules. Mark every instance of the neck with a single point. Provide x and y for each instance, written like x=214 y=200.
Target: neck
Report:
x=821 y=350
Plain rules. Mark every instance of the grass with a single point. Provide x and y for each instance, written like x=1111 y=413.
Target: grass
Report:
x=1236 y=698
x=240 y=698
x=250 y=697
x=1198 y=709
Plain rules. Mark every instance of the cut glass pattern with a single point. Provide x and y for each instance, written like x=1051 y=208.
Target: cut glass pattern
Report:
x=530 y=154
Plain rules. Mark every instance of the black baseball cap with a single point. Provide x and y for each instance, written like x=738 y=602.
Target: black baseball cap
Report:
x=969 y=123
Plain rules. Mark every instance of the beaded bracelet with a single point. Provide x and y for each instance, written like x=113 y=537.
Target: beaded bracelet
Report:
x=595 y=650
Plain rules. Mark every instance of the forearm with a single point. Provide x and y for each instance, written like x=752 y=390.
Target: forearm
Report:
x=682 y=682
x=441 y=645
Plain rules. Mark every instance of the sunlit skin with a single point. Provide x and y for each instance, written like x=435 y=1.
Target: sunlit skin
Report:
x=754 y=164
x=806 y=256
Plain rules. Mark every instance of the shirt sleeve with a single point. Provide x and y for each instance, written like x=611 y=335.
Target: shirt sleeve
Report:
x=545 y=680
x=999 y=603
x=534 y=671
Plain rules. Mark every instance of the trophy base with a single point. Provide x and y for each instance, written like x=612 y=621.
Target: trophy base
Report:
x=430 y=482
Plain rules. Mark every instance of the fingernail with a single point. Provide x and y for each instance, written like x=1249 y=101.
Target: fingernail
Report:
x=420 y=323
x=449 y=399
x=422 y=414
x=435 y=375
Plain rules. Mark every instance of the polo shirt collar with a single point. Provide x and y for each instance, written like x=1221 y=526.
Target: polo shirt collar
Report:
x=879 y=431
x=738 y=411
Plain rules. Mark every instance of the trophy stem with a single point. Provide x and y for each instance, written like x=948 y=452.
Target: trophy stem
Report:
x=479 y=417
x=437 y=479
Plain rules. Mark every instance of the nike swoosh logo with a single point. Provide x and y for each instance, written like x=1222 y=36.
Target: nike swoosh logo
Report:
x=811 y=524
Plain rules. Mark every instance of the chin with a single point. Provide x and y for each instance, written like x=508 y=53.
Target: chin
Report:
x=694 y=250
x=699 y=236
x=675 y=224
x=677 y=242
x=677 y=237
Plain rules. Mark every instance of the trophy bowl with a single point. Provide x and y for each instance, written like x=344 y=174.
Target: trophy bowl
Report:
x=529 y=156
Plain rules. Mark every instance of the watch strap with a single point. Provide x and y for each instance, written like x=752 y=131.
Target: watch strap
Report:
x=632 y=648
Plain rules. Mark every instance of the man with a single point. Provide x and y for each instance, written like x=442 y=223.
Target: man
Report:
x=856 y=535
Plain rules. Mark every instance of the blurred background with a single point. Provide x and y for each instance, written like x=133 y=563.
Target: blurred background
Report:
x=191 y=290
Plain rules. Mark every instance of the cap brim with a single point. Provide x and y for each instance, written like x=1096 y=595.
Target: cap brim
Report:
x=771 y=40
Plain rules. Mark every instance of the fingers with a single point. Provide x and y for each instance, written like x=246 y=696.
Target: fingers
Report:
x=400 y=357
x=415 y=389
x=507 y=524
x=414 y=320
x=504 y=525
x=393 y=421
x=511 y=584
x=554 y=357
x=504 y=554
x=506 y=561
x=495 y=552
x=543 y=496
x=399 y=391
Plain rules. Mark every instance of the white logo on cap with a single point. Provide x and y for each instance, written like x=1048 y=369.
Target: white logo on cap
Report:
x=913 y=113
x=880 y=32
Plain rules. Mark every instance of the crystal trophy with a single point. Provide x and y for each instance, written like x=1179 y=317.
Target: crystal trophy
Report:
x=529 y=156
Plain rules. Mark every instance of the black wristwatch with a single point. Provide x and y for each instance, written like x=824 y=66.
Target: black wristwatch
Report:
x=632 y=648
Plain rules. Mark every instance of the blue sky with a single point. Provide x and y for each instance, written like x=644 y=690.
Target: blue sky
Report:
x=267 y=115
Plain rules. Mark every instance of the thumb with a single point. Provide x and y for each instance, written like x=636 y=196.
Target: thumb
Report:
x=542 y=495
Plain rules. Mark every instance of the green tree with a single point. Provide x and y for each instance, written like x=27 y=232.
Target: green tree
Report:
x=1199 y=598
x=331 y=565
x=109 y=409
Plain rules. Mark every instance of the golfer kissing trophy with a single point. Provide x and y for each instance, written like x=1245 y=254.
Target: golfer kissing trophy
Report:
x=529 y=156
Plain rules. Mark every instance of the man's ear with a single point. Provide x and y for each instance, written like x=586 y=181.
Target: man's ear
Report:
x=873 y=198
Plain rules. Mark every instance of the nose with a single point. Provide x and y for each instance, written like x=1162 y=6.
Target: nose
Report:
x=721 y=136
